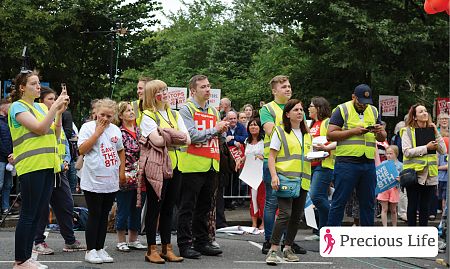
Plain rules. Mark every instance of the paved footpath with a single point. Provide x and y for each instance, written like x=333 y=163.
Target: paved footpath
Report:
x=240 y=251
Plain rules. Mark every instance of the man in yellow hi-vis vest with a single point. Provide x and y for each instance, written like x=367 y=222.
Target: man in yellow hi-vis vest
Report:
x=355 y=125
x=199 y=165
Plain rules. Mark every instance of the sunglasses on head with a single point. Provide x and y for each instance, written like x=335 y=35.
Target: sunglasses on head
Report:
x=25 y=71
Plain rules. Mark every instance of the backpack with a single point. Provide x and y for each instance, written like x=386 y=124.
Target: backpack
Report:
x=80 y=218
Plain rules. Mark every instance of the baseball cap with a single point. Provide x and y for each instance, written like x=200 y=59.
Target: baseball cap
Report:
x=364 y=94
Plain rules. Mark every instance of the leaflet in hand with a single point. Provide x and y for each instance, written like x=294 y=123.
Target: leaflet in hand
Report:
x=317 y=155
x=319 y=140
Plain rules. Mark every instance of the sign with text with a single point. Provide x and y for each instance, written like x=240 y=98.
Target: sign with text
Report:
x=214 y=98
x=238 y=154
x=388 y=105
x=210 y=148
x=177 y=97
x=386 y=176
x=442 y=106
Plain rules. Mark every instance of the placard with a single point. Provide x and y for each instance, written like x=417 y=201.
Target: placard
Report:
x=177 y=97
x=388 y=105
x=386 y=176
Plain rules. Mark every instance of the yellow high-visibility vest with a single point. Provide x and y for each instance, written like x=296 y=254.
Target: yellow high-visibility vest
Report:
x=137 y=112
x=277 y=115
x=357 y=145
x=33 y=152
x=291 y=155
x=163 y=123
x=420 y=162
x=328 y=162
x=190 y=163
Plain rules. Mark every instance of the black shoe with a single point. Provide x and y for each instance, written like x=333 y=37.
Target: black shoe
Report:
x=298 y=249
x=189 y=253
x=266 y=247
x=208 y=250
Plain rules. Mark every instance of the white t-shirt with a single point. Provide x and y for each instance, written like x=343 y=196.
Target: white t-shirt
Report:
x=100 y=172
x=253 y=150
x=148 y=125
x=275 y=142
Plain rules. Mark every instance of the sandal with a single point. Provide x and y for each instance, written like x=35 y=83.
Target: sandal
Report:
x=122 y=246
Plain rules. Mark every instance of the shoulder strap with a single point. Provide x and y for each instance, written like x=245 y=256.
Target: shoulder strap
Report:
x=152 y=116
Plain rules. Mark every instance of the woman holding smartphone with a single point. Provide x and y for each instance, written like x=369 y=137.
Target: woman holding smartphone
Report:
x=423 y=159
x=34 y=133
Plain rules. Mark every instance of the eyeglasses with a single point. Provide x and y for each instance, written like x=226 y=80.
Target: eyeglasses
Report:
x=163 y=91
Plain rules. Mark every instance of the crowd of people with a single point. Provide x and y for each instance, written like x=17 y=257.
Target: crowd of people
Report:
x=176 y=166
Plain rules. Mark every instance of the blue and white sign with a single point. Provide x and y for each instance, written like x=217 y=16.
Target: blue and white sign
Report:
x=386 y=176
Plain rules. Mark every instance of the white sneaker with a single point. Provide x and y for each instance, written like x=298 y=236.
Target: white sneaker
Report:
x=92 y=257
x=28 y=264
x=104 y=255
x=136 y=245
x=313 y=237
x=39 y=265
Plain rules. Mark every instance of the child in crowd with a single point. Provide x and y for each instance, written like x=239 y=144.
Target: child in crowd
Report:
x=390 y=198
x=104 y=163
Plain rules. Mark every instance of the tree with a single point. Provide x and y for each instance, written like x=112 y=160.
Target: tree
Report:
x=52 y=30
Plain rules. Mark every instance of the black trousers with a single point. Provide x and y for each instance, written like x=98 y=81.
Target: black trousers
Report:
x=99 y=205
x=419 y=197
x=197 y=190
x=162 y=208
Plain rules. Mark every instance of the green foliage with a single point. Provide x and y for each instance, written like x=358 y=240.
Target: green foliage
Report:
x=52 y=32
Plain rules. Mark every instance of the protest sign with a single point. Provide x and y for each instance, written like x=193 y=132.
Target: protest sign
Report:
x=177 y=97
x=388 y=105
x=386 y=176
x=441 y=105
x=210 y=148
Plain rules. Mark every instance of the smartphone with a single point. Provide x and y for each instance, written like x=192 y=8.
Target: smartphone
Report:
x=370 y=128
x=63 y=86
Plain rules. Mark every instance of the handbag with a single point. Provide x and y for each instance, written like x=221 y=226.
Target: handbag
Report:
x=408 y=177
x=288 y=188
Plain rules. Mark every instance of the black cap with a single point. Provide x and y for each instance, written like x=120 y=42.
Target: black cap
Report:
x=364 y=94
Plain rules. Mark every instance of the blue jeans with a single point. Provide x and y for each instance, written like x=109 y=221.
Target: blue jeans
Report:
x=35 y=192
x=348 y=176
x=271 y=203
x=128 y=215
x=320 y=183
x=5 y=185
x=62 y=205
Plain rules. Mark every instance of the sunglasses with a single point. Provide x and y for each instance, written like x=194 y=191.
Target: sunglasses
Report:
x=25 y=71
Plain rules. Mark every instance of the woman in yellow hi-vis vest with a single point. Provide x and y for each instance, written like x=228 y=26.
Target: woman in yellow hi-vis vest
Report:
x=423 y=159
x=60 y=196
x=289 y=169
x=161 y=199
x=36 y=158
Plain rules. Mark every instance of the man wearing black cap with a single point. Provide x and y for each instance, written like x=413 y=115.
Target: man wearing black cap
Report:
x=355 y=125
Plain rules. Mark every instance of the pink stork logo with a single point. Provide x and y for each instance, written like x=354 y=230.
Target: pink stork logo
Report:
x=328 y=237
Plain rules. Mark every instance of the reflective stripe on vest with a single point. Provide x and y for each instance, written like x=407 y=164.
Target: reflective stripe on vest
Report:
x=289 y=158
x=277 y=115
x=357 y=145
x=329 y=161
x=420 y=162
x=34 y=152
x=135 y=104
x=161 y=122
x=190 y=163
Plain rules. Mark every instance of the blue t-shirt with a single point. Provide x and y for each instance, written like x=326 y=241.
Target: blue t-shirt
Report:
x=442 y=174
x=19 y=107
